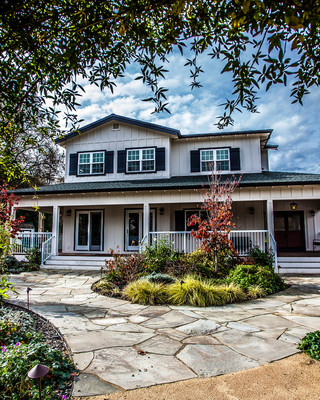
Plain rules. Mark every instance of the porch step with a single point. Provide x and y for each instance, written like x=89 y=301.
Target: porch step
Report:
x=86 y=263
x=299 y=265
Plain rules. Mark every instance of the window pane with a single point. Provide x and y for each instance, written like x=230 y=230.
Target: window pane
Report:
x=84 y=158
x=133 y=155
x=133 y=166
x=223 y=165
x=148 y=165
x=223 y=154
x=97 y=157
x=84 y=169
x=97 y=168
x=148 y=154
x=207 y=165
x=207 y=155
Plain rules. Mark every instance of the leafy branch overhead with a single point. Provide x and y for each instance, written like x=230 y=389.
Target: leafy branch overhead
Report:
x=46 y=47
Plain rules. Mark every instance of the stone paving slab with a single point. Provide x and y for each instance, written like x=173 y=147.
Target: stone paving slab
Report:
x=95 y=340
x=116 y=344
x=90 y=385
x=128 y=369
x=206 y=360
x=255 y=347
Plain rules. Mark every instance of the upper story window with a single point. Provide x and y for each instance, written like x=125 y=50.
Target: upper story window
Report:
x=141 y=160
x=215 y=160
x=91 y=163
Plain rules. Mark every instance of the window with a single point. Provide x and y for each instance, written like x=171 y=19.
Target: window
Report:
x=215 y=160
x=141 y=160
x=91 y=163
x=116 y=126
x=188 y=213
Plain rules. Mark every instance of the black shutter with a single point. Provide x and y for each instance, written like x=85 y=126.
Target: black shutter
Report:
x=160 y=159
x=235 y=159
x=108 y=162
x=121 y=161
x=73 y=164
x=195 y=160
x=179 y=220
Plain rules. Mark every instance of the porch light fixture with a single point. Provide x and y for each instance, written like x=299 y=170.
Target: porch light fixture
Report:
x=28 y=291
x=293 y=206
x=251 y=210
x=68 y=213
x=161 y=210
x=312 y=213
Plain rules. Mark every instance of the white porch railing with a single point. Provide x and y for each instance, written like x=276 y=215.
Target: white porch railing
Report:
x=243 y=241
x=29 y=240
x=46 y=249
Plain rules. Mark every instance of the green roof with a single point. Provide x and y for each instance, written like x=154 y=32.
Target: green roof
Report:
x=267 y=178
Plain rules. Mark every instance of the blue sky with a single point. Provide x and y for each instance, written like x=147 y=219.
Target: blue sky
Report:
x=296 y=128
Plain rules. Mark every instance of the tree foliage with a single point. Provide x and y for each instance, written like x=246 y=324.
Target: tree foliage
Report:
x=9 y=225
x=49 y=47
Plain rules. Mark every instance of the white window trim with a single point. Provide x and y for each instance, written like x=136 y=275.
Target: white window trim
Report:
x=91 y=163
x=214 y=160
x=141 y=160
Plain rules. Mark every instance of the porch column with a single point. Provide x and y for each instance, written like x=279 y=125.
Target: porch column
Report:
x=55 y=229
x=270 y=223
x=146 y=221
x=40 y=221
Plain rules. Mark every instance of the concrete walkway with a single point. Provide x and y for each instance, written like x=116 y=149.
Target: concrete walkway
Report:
x=118 y=345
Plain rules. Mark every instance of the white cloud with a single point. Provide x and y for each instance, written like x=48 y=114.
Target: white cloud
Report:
x=295 y=127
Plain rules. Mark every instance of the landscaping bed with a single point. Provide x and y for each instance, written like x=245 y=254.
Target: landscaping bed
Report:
x=161 y=275
x=26 y=340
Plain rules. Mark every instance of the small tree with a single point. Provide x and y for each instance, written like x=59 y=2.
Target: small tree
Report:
x=213 y=231
x=9 y=225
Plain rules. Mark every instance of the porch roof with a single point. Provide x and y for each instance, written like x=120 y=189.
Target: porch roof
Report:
x=266 y=178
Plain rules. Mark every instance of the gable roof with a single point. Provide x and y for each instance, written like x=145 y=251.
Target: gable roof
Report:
x=266 y=178
x=163 y=129
x=119 y=118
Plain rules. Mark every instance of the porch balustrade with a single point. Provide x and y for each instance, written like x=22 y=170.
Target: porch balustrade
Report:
x=243 y=241
x=28 y=240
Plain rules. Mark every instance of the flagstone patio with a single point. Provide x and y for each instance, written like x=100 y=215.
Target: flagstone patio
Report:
x=118 y=345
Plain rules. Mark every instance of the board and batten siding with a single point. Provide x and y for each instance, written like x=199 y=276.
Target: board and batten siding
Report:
x=105 y=138
x=250 y=152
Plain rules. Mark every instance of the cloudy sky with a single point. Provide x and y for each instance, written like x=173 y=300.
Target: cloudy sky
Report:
x=296 y=128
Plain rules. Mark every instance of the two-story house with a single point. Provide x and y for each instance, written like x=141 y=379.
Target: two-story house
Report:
x=127 y=181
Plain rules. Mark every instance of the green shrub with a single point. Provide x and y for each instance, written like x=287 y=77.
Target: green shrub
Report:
x=202 y=263
x=246 y=276
x=310 y=345
x=34 y=259
x=234 y=292
x=160 y=278
x=197 y=292
x=11 y=265
x=21 y=349
x=145 y=292
x=158 y=254
x=255 y=292
x=122 y=269
x=107 y=288
x=259 y=257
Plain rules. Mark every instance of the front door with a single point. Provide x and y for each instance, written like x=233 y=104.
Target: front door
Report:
x=89 y=229
x=134 y=228
x=289 y=230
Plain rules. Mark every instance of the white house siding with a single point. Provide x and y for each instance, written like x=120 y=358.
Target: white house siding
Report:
x=250 y=152
x=114 y=205
x=104 y=138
